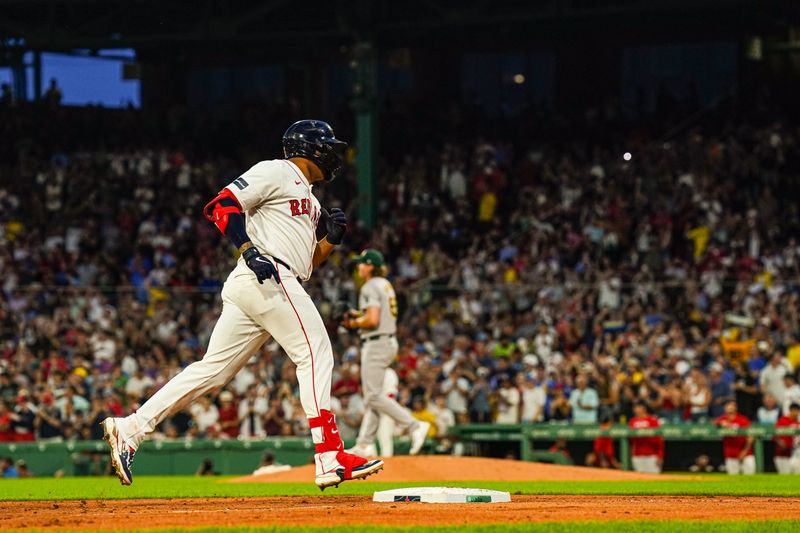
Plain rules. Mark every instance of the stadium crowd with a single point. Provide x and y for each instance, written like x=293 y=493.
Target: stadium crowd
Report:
x=538 y=282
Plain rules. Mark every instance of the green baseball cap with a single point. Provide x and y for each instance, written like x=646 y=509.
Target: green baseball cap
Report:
x=370 y=256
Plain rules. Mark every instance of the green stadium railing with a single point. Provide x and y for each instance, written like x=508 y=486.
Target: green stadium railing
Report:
x=176 y=457
x=526 y=435
x=243 y=457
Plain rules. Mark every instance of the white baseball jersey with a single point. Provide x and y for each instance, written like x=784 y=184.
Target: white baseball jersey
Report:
x=281 y=213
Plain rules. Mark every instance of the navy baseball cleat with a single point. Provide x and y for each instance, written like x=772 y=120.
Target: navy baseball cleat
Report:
x=121 y=453
x=333 y=479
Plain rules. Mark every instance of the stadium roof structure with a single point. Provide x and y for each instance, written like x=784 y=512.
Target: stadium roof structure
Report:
x=169 y=36
x=287 y=26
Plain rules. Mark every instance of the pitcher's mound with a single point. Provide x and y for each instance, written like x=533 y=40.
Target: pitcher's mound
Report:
x=438 y=468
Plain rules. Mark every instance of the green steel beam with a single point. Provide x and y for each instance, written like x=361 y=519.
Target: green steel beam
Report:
x=366 y=114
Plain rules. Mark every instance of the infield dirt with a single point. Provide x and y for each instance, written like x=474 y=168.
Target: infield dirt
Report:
x=351 y=510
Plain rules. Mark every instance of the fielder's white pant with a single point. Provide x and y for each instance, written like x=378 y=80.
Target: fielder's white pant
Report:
x=783 y=465
x=251 y=314
x=376 y=356
x=788 y=465
x=385 y=436
x=745 y=466
x=386 y=425
x=794 y=462
x=646 y=464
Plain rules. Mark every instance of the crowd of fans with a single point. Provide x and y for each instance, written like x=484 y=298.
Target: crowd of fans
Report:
x=538 y=282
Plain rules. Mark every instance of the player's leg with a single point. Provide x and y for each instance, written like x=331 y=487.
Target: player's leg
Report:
x=782 y=465
x=376 y=357
x=732 y=466
x=749 y=465
x=651 y=465
x=638 y=463
x=385 y=435
x=368 y=430
x=658 y=464
x=794 y=462
x=233 y=341
x=371 y=385
x=294 y=322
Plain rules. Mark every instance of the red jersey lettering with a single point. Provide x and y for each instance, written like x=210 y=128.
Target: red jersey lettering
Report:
x=294 y=205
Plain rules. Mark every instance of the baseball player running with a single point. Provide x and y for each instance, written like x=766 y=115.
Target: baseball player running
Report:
x=377 y=321
x=270 y=214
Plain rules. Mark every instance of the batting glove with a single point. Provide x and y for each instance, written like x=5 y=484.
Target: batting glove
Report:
x=263 y=267
x=336 y=224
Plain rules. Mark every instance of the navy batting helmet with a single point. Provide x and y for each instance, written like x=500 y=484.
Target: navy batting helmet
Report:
x=314 y=140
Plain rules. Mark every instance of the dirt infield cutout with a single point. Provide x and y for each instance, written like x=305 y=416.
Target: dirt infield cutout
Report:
x=439 y=468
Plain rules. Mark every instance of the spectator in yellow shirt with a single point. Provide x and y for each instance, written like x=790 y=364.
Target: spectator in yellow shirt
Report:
x=421 y=413
x=700 y=237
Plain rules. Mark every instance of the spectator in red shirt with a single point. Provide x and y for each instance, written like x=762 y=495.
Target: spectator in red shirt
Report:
x=738 y=450
x=228 y=416
x=349 y=383
x=602 y=454
x=785 y=447
x=647 y=453
x=6 y=431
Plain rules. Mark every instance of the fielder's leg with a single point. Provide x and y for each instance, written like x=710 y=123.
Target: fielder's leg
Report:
x=376 y=356
x=733 y=466
x=749 y=465
x=794 y=462
x=386 y=435
x=782 y=465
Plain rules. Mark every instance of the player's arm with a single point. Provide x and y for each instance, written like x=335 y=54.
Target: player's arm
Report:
x=369 y=320
x=747 y=448
x=330 y=231
x=225 y=212
x=322 y=251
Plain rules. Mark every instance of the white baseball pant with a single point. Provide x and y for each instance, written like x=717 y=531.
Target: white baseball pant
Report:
x=376 y=356
x=251 y=314
x=386 y=425
x=794 y=462
x=646 y=464
x=783 y=465
x=745 y=466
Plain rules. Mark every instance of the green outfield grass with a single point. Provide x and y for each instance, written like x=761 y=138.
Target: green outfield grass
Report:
x=196 y=487
x=768 y=526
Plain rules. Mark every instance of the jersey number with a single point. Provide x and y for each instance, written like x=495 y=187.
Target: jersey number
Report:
x=240 y=183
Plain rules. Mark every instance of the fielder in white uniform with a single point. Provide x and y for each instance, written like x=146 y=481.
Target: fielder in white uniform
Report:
x=376 y=320
x=272 y=217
